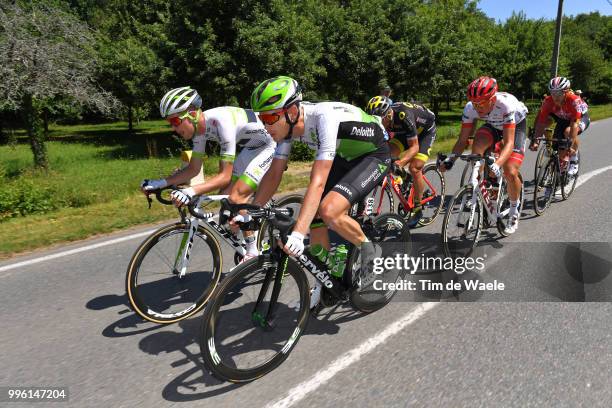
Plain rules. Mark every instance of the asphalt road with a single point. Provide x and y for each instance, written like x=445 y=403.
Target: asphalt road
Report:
x=66 y=323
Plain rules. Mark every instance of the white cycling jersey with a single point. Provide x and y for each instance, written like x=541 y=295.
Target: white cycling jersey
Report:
x=507 y=112
x=232 y=127
x=336 y=127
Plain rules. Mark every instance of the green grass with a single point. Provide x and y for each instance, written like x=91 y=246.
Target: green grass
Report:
x=92 y=186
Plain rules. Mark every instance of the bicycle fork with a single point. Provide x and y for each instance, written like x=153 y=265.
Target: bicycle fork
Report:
x=182 y=257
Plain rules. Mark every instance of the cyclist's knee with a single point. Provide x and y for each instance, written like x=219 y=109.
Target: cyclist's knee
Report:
x=415 y=167
x=240 y=192
x=332 y=208
x=566 y=132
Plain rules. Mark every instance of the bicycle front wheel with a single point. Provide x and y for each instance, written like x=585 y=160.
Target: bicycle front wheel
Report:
x=462 y=224
x=433 y=194
x=166 y=282
x=544 y=189
x=254 y=320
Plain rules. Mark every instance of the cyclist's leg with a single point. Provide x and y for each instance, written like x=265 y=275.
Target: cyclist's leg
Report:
x=426 y=140
x=513 y=164
x=249 y=168
x=484 y=138
x=353 y=186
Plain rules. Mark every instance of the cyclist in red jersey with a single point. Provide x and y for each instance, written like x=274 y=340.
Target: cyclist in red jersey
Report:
x=570 y=113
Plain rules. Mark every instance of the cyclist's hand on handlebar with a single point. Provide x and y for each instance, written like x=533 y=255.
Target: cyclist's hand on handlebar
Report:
x=235 y=222
x=534 y=146
x=295 y=244
x=148 y=186
x=182 y=197
x=445 y=163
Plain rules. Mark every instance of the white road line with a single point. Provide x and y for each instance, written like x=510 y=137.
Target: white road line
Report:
x=299 y=392
x=586 y=177
x=74 y=251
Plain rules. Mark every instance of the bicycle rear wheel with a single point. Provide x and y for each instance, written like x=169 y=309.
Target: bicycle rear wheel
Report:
x=240 y=342
x=154 y=285
x=433 y=195
x=390 y=235
x=462 y=224
x=544 y=189
x=540 y=162
x=568 y=183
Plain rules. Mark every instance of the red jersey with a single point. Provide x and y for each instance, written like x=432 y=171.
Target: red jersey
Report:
x=572 y=109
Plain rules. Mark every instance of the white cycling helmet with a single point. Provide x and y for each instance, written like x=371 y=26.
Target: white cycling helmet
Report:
x=179 y=100
x=559 y=84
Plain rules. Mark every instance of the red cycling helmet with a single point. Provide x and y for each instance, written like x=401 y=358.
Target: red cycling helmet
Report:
x=482 y=89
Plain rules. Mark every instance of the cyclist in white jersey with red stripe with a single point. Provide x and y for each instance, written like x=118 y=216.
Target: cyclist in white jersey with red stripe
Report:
x=231 y=127
x=506 y=122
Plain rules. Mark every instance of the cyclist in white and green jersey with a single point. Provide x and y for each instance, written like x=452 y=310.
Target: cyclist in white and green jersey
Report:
x=352 y=157
x=232 y=128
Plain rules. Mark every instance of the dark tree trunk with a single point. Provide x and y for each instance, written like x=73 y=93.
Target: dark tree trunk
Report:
x=3 y=136
x=46 y=122
x=130 y=118
x=436 y=106
x=35 y=127
x=448 y=98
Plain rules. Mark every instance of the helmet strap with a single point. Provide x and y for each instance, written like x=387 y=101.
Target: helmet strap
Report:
x=292 y=123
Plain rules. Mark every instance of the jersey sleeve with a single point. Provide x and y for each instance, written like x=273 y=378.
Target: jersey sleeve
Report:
x=327 y=133
x=545 y=110
x=227 y=140
x=577 y=107
x=283 y=149
x=469 y=116
x=509 y=117
x=199 y=147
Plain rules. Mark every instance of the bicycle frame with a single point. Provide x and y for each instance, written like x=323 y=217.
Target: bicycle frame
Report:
x=182 y=257
x=408 y=204
x=481 y=192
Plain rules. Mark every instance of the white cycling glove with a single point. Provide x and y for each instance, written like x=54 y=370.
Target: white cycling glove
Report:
x=152 y=185
x=496 y=170
x=242 y=218
x=295 y=243
x=182 y=197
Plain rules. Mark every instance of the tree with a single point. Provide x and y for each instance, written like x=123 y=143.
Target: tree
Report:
x=46 y=53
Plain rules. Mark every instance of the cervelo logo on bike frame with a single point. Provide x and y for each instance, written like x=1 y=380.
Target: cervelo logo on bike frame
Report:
x=312 y=268
x=363 y=132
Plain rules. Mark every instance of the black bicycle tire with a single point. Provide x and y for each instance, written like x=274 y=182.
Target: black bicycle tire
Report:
x=550 y=166
x=355 y=298
x=428 y=220
x=131 y=286
x=466 y=189
x=212 y=360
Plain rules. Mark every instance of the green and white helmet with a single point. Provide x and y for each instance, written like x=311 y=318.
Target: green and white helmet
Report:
x=275 y=93
x=179 y=100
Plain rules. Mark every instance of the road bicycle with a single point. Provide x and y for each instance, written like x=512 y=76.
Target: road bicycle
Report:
x=262 y=307
x=553 y=174
x=481 y=203
x=399 y=183
x=174 y=271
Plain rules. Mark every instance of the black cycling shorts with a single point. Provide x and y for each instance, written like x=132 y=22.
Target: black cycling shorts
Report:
x=355 y=179
x=426 y=139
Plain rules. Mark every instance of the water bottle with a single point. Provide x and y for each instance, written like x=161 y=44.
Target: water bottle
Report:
x=321 y=253
x=339 y=258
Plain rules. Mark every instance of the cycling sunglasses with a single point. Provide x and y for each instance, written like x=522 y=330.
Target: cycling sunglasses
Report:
x=177 y=120
x=271 y=118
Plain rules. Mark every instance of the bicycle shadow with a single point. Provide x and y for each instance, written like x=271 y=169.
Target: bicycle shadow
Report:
x=127 y=326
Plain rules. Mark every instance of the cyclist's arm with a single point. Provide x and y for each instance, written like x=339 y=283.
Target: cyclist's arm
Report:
x=270 y=181
x=218 y=182
x=189 y=172
x=463 y=140
x=408 y=154
x=312 y=198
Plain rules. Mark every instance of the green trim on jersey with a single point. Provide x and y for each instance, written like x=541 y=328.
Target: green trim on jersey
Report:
x=248 y=181
x=351 y=149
